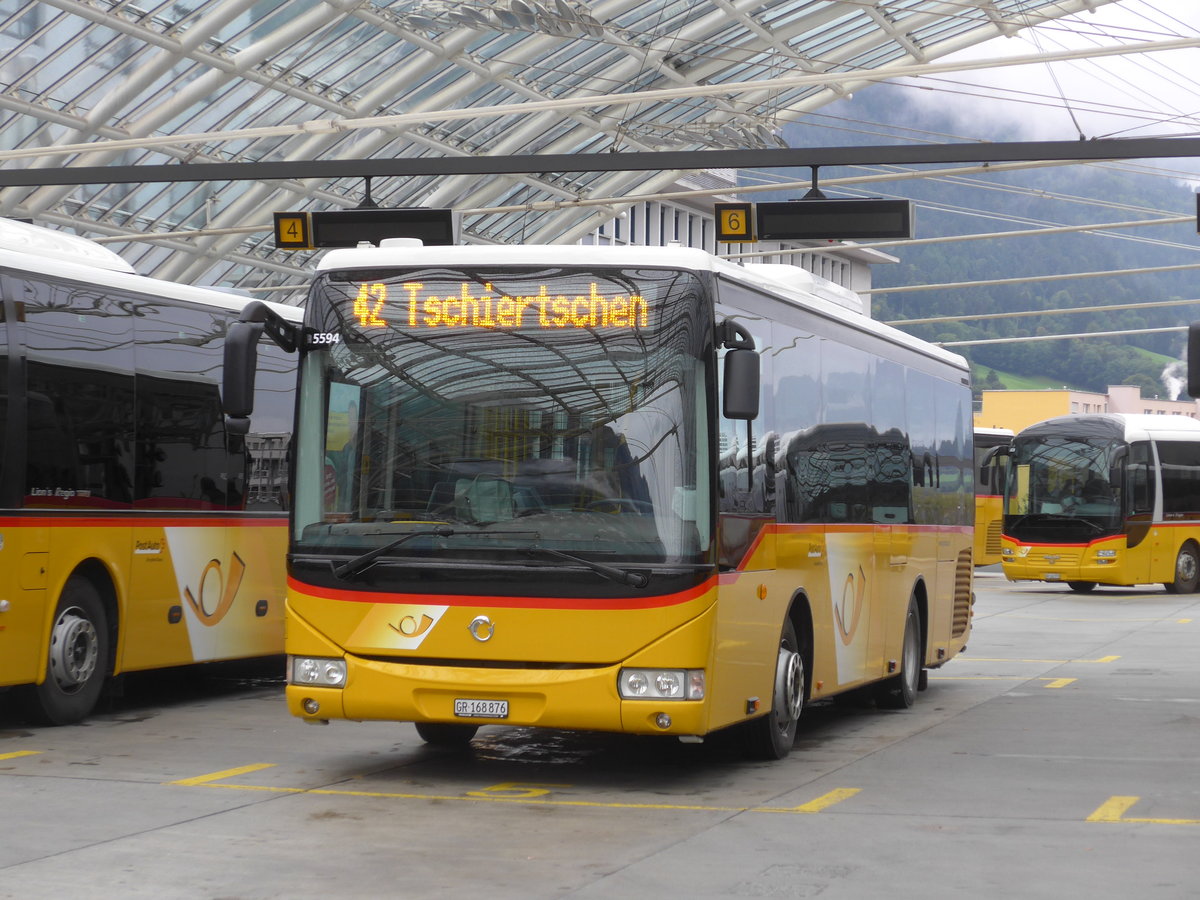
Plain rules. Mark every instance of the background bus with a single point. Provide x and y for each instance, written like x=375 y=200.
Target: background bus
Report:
x=134 y=532
x=1105 y=499
x=555 y=486
x=990 y=470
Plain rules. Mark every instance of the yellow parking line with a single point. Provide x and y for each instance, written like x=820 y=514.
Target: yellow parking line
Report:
x=1102 y=659
x=223 y=774
x=826 y=800
x=1059 y=682
x=1052 y=682
x=214 y=780
x=17 y=754
x=1114 y=808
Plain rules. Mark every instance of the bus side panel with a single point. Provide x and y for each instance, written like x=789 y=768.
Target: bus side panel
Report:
x=205 y=592
x=854 y=612
x=24 y=562
x=750 y=611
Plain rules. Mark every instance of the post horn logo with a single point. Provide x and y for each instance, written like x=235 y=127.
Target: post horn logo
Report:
x=850 y=607
x=226 y=588
x=410 y=626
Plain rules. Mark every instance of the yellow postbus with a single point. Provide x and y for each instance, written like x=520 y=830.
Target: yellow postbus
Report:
x=135 y=532
x=990 y=469
x=1105 y=499
x=636 y=490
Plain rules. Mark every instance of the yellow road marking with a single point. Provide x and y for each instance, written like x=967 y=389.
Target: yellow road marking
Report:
x=223 y=774
x=1102 y=659
x=214 y=780
x=17 y=754
x=1053 y=682
x=1114 y=808
x=826 y=800
x=1058 y=682
x=1183 y=621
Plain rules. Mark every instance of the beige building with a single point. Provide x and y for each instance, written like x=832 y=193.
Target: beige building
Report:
x=1019 y=409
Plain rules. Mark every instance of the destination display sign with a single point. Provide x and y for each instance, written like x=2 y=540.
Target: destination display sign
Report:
x=413 y=305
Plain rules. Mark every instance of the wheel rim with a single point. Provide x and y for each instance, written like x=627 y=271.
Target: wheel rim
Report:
x=789 y=688
x=1185 y=567
x=74 y=650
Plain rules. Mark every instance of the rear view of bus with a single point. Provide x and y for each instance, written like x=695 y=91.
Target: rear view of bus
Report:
x=1105 y=499
x=990 y=471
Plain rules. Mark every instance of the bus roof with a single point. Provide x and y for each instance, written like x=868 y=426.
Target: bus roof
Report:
x=33 y=240
x=789 y=283
x=44 y=251
x=1121 y=426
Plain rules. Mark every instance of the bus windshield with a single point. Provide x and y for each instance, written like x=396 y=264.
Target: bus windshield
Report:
x=500 y=415
x=1063 y=489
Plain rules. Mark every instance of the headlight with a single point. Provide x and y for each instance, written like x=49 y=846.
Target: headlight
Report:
x=661 y=684
x=319 y=671
x=1106 y=554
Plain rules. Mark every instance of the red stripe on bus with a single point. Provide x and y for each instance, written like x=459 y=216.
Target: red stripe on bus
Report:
x=198 y=521
x=597 y=603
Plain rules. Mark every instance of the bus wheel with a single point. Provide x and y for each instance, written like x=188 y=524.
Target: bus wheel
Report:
x=900 y=691
x=1082 y=587
x=78 y=657
x=444 y=734
x=771 y=736
x=1187 y=571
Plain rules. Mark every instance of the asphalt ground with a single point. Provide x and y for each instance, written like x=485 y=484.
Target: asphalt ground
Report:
x=1058 y=757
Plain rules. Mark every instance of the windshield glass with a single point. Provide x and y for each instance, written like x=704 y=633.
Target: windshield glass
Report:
x=556 y=409
x=1063 y=490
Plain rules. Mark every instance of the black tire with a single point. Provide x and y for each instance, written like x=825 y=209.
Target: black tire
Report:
x=79 y=658
x=446 y=734
x=1082 y=587
x=771 y=736
x=1187 y=571
x=900 y=691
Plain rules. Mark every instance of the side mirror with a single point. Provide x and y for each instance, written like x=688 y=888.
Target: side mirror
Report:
x=742 y=372
x=237 y=377
x=241 y=360
x=741 y=385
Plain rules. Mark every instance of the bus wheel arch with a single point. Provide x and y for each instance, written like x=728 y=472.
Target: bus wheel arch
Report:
x=900 y=690
x=80 y=646
x=1187 y=570
x=800 y=615
x=771 y=736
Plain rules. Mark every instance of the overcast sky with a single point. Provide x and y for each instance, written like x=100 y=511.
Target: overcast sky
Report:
x=1142 y=95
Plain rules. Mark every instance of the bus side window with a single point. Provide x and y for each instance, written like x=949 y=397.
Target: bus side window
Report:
x=1140 y=492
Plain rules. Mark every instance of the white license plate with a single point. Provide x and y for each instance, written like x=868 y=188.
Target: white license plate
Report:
x=1053 y=576
x=481 y=709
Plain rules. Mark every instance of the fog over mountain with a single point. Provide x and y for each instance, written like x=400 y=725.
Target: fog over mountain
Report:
x=1008 y=201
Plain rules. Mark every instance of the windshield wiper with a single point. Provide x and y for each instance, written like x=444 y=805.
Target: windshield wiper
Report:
x=358 y=563
x=621 y=576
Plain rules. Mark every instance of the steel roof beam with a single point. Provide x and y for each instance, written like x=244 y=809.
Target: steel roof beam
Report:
x=920 y=154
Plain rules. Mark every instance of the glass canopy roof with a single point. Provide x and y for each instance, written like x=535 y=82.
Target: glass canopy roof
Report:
x=97 y=71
